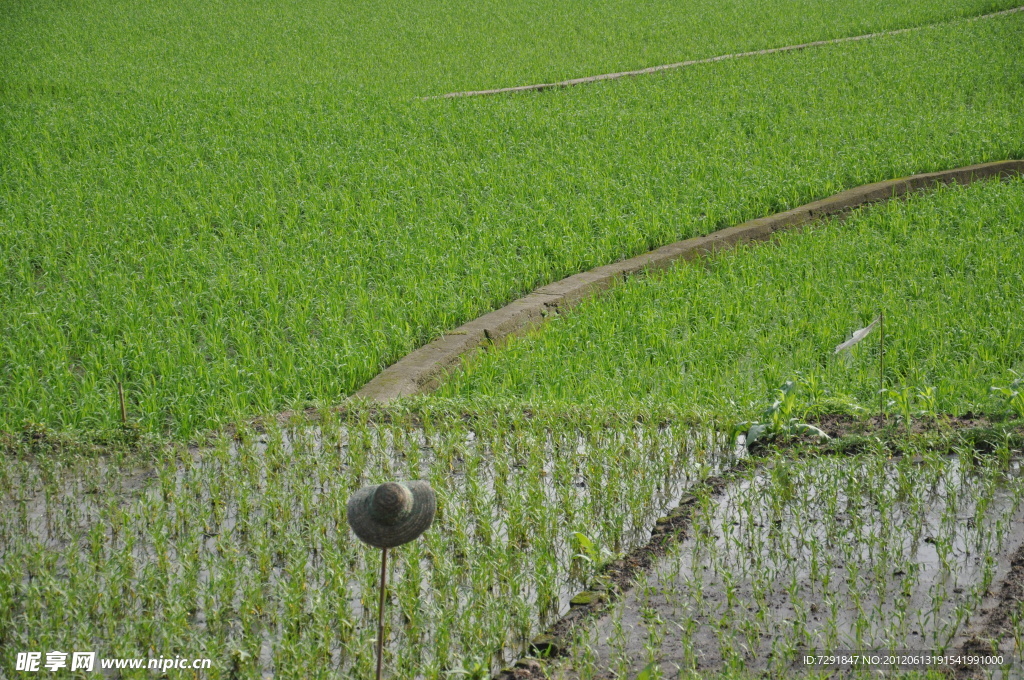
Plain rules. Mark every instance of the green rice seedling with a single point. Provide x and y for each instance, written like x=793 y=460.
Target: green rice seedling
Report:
x=655 y=625
x=619 y=641
x=902 y=400
x=927 y=399
x=584 y=657
x=1013 y=396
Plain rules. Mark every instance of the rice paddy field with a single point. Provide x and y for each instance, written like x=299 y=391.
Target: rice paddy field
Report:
x=241 y=553
x=244 y=553
x=945 y=268
x=227 y=239
x=803 y=558
x=228 y=210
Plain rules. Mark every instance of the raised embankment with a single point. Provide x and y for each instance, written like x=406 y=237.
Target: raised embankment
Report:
x=538 y=87
x=420 y=370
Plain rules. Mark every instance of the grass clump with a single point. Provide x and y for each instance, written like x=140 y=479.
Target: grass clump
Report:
x=36 y=441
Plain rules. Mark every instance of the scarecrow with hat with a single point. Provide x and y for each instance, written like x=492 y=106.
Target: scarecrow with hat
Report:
x=386 y=516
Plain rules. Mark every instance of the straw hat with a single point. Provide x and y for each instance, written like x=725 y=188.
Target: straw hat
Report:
x=391 y=514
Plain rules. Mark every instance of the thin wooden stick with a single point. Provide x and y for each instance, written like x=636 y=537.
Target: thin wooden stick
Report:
x=881 y=366
x=120 y=394
x=380 y=609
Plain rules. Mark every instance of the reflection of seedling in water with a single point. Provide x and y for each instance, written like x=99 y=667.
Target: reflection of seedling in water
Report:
x=877 y=508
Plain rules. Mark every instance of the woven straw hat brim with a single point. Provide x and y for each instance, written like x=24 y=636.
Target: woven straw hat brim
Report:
x=424 y=505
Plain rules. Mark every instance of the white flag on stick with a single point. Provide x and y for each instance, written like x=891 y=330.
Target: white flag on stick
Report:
x=857 y=336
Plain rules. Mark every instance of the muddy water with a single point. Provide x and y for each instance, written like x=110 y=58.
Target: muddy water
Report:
x=807 y=558
x=217 y=507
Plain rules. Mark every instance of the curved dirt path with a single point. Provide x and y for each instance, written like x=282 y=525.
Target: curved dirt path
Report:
x=421 y=370
x=693 y=62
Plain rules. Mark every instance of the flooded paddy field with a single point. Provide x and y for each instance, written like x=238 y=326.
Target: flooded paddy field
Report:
x=244 y=552
x=918 y=555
